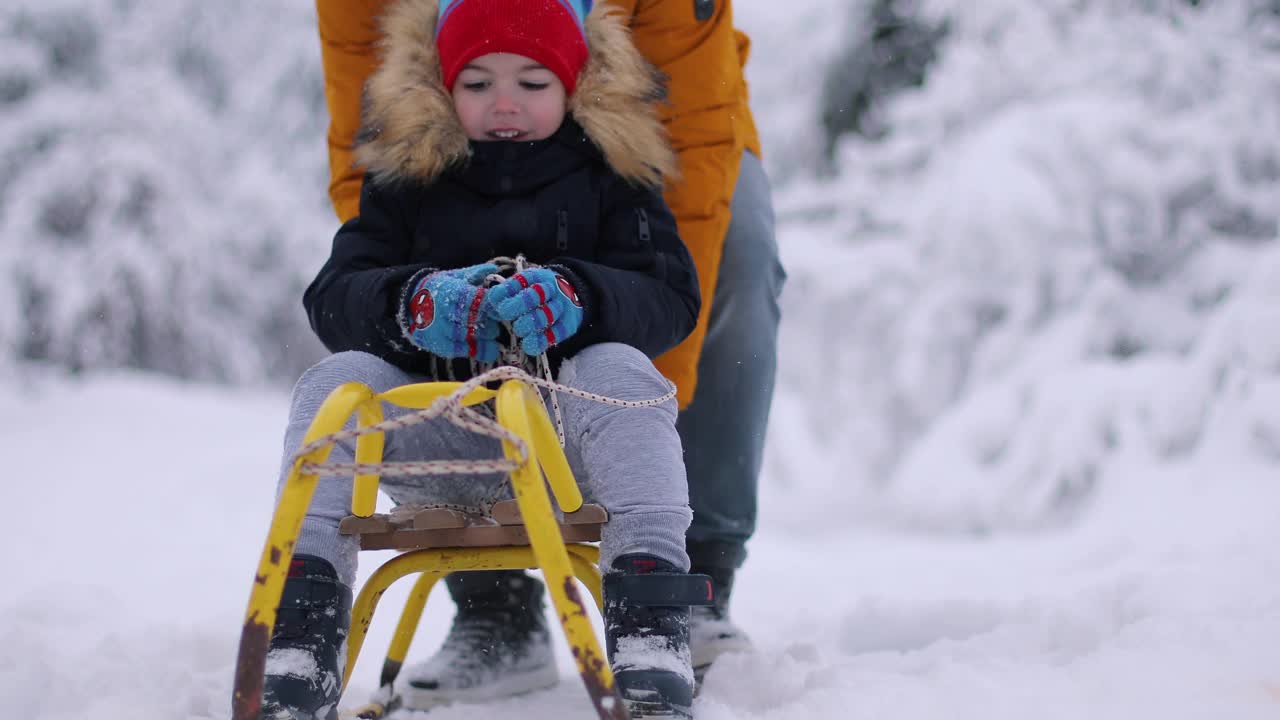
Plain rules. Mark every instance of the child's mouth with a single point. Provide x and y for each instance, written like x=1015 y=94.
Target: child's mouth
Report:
x=506 y=134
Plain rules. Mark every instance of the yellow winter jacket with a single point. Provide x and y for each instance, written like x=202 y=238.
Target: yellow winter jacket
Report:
x=706 y=115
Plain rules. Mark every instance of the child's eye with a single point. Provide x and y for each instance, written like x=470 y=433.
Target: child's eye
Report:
x=531 y=85
x=475 y=85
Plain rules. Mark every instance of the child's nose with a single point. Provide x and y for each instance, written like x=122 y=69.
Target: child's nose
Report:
x=504 y=102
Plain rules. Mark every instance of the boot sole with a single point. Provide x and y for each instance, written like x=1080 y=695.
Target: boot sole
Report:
x=651 y=693
x=512 y=684
x=640 y=709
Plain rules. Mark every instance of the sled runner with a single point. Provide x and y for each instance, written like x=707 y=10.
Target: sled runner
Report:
x=516 y=534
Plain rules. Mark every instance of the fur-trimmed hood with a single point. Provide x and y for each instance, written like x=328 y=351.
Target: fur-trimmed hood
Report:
x=411 y=131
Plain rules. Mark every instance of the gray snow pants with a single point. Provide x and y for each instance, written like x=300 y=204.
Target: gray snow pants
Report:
x=627 y=459
x=723 y=429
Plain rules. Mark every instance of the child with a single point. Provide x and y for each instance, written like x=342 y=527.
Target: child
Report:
x=496 y=128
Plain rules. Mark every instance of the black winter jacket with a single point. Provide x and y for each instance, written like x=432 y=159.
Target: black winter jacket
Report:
x=555 y=201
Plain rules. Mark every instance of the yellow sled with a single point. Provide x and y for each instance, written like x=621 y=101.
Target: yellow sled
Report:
x=519 y=534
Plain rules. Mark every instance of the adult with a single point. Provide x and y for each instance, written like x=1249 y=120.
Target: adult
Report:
x=724 y=371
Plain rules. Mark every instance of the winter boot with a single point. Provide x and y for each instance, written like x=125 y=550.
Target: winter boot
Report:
x=646 y=619
x=711 y=632
x=498 y=646
x=308 y=645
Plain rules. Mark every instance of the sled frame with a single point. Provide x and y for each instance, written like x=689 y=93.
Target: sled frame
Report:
x=519 y=409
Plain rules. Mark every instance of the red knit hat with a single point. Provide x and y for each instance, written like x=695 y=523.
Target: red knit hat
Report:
x=547 y=31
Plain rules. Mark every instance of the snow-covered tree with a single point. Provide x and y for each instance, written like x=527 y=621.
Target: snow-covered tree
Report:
x=1081 y=196
x=162 y=179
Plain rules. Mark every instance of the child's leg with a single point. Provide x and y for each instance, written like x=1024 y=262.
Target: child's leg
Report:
x=628 y=459
x=332 y=499
x=304 y=665
x=433 y=440
x=305 y=660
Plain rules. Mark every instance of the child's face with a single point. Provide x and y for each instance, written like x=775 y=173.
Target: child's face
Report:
x=503 y=96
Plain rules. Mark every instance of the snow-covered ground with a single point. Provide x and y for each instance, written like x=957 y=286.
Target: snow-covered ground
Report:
x=136 y=508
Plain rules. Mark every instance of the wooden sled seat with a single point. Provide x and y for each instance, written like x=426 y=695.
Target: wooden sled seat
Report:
x=414 y=527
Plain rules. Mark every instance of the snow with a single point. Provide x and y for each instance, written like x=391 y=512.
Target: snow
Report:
x=650 y=652
x=1023 y=456
x=292 y=662
x=138 y=505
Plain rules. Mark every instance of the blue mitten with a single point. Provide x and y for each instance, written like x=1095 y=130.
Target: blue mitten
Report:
x=443 y=314
x=541 y=305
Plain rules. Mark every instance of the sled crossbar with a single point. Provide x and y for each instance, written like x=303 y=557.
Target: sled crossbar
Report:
x=415 y=527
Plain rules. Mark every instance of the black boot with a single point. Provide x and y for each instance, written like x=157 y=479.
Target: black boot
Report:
x=711 y=632
x=498 y=646
x=308 y=645
x=646 y=618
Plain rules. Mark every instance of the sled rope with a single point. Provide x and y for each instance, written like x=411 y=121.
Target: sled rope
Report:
x=451 y=408
x=512 y=354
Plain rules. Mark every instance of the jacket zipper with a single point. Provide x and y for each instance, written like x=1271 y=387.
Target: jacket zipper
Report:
x=643 y=218
x=562 y=230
